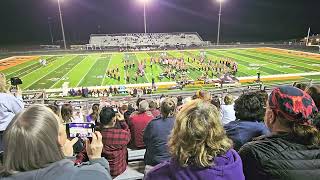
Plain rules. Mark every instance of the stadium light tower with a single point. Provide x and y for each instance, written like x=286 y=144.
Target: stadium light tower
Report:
x=145 y=3
x=62 y=28
x=219 y=22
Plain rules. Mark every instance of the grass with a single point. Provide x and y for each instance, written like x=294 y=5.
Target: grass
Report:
x=90 y=69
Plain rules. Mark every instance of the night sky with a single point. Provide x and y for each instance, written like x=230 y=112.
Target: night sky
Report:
x=26 y=21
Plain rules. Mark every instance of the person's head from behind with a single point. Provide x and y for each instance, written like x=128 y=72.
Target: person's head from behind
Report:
x=153 y=105
x=138 y=101
x=301 y=86
x=250 y=107
x=123 y=108
x=168 y=107
x=55 y=109
x=292 y=110
x=216 y=102
x=228 y=99
x=66 y=112
x=143 y=106
x=198 y=135
x=32 y=140
x=107 y=116
x=314 y=92
x=179 y=101
x=95 y=112
x=3 y=83
x=203 y=95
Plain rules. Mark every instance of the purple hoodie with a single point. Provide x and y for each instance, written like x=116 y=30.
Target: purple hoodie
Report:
x=227 y=167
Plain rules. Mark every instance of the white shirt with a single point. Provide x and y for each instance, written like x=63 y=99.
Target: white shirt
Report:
x=227 y=114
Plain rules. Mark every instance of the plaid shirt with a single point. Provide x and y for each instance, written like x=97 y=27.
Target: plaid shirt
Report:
x=115 y=142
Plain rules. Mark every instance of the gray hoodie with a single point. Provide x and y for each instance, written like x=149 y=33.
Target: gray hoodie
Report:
x=65 y=170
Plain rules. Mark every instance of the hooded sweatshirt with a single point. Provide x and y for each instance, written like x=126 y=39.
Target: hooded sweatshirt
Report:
x=65 y=170
x=226 y=167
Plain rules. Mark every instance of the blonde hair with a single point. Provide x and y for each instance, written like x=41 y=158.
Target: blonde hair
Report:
x=228 y=99
x=31 y=141
x=198 y=135
x=3 y=83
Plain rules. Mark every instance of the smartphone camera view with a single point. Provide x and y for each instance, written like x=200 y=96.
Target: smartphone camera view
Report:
x=80 y=130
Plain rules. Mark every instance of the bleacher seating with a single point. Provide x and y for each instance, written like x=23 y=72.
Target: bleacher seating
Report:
x=137 y=40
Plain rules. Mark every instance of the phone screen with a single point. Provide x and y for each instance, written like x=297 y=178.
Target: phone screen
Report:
x=80 y=130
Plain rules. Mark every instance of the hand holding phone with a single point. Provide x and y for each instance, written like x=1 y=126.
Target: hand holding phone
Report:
x=94 y=148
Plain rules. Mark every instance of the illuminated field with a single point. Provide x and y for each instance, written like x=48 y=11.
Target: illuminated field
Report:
x=89 y=69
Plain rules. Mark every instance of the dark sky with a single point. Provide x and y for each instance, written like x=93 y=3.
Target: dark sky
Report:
x=25 y=21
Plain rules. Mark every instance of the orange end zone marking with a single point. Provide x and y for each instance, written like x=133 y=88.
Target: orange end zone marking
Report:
x=289 y=52
x=15 y=60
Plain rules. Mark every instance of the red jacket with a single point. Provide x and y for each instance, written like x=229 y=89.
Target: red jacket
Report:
x=115 y=141
x=138 y=123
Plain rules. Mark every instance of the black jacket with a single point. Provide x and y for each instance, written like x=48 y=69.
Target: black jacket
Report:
x=280 y=157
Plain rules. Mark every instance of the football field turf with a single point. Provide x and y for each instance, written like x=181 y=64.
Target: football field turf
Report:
x=90 y=69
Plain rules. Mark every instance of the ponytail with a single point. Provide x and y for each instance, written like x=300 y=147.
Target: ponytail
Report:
x=306 y=134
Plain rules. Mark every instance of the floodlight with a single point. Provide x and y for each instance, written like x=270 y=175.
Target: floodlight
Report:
x=220 y=1
x=144 y=1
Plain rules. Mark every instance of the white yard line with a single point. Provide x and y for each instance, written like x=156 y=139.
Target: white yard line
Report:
x=86 y=73
x=68 y=72
x=47 y=73
x=106 y=70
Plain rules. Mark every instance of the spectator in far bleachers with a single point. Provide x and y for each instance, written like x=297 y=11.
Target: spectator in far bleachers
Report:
x=199 y=147
x=10 y=105
x=137 y=123
x=292 y=151
x=156 y=134
x=314 y=92
x=153 y=105
x=55 y=108
x=36 y=147
x=250 y=109
x=115 y=141
x=227 y=110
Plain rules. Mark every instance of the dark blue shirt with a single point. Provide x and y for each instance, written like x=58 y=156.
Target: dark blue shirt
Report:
x=155 y=138
x=241 y=132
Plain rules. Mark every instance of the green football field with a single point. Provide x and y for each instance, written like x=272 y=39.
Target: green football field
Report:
x=90 y=69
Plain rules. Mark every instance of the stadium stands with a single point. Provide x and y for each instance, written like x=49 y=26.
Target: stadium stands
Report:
x=138 y=40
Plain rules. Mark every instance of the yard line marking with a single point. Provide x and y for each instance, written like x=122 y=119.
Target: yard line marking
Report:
x=86 y=73
x=104 y=77
x=49 y=72
x=68 y=72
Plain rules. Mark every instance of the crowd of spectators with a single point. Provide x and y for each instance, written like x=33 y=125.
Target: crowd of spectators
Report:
x=254 y=135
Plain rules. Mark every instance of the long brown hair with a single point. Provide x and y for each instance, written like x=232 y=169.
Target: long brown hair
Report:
x=66 y=113
x=95 y=112
x=198 y=135
x=31 y=141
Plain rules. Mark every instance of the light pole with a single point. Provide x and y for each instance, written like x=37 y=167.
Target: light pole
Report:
x=219 y=21
x=62 y=28
x=145 y=3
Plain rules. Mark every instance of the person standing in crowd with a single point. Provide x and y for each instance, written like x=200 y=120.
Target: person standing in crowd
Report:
x=10 y=105
x=156 y=134
x=199 y=147
x=153 y=105
x=36 y=147
x=93 y=117
x=292 y=151
x=137 y=122
x=115 y=141
x=249 y=110
x=67 y=113
x=227 y=110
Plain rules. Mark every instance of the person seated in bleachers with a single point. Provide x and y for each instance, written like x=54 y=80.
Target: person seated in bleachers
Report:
x=93 y=116
x=292 y=151
x=250 y=109
x=115 y=141
x=36 y=147
x=156 y=134
x=199 y=147
x=314 y=92
x=68 y=116
x=138 y=121
x=227 y=110
x=10 y=105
